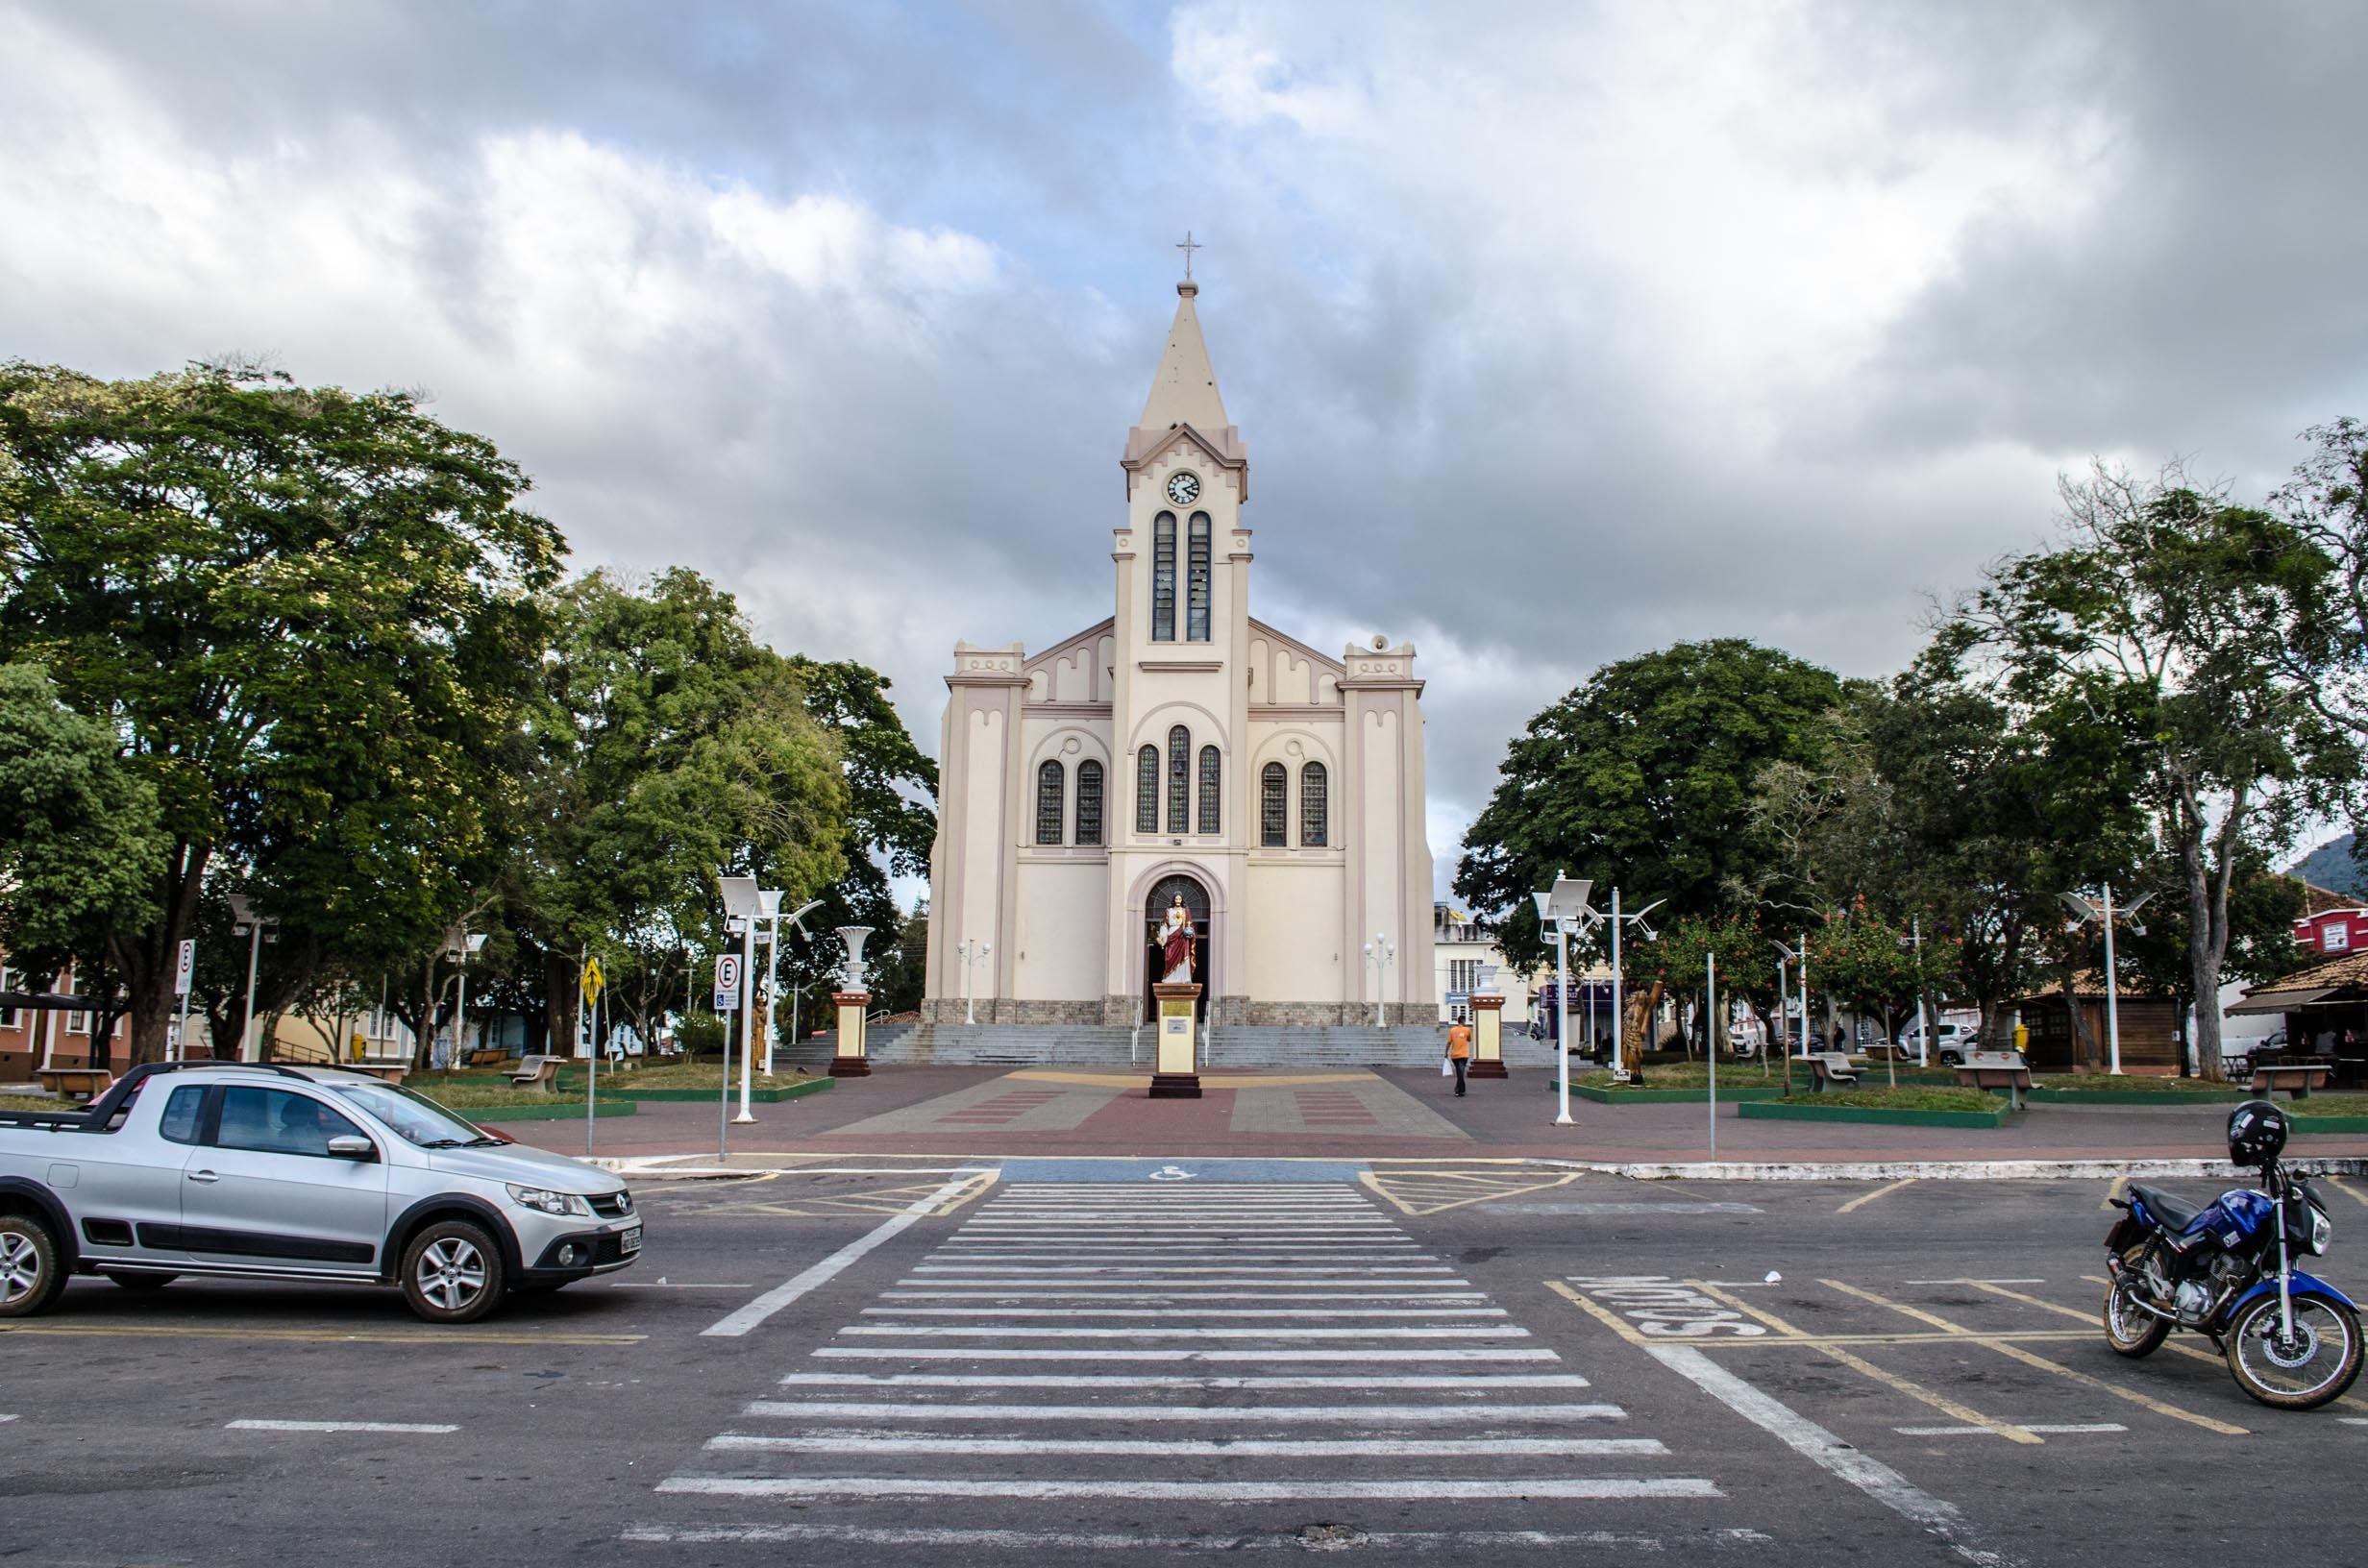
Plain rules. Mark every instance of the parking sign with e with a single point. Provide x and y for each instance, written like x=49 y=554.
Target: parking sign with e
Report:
x=727 y=982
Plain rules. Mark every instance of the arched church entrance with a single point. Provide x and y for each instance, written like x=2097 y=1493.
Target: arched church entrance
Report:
x=1154 y=918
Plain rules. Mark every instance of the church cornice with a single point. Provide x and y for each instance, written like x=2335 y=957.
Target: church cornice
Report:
x=1323 y=712
x=1224 y=448
x=1066 y=710
x=1321 y=661
x=1181 y=667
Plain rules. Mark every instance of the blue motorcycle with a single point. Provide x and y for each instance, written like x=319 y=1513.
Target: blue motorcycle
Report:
x=2227 y=1271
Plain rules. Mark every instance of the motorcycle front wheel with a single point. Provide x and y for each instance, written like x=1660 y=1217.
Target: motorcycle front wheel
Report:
x=2130 y=1329
x=2300 y=1372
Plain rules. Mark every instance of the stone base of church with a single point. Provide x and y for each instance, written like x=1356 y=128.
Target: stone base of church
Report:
x=1333 y=1014
x=1015 y=1009
x=1121 y=1012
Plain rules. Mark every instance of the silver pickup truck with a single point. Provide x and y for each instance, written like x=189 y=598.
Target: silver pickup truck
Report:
x=288 y=1173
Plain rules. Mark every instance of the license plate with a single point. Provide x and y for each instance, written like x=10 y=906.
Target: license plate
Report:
x=629 y=1241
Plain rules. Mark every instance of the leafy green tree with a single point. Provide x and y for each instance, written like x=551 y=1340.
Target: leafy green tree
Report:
x=1864 y=959
x=668 y=749
x=2157 y=618
x=79 y=831
x=1645 y=776
x=1680 y=955
x=306 y=617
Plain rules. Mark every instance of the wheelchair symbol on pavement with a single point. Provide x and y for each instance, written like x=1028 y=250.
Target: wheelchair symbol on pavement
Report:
x=1170 y=1173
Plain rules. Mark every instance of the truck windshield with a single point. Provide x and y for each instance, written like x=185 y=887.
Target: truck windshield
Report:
x=416 y=1120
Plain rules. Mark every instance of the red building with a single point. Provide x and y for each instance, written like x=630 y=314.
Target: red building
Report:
x=2331 y=924
x=60 y=1037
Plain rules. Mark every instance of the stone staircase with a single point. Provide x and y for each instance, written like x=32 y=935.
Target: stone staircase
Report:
x=1115 y=1046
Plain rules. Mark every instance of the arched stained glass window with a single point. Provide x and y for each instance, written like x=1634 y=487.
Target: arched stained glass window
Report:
x=1179 y=780
x=1049 y=788
x=1089 y=801
x=1146 y=790
x=1197 y=582
x=1273 y=805
x=1210 y=771
x=1315 y=805
x=1163 y=578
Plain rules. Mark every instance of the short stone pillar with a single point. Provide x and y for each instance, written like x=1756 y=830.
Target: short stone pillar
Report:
x=851 y=1062
x=1176 y=1053
x=1488 y=1038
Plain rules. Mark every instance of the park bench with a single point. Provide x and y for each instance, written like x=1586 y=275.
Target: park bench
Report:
x=486 y=1059
x=1832 y=1070
x=2296 y=1078
x=1996 y=1069
x=75 y=1083
x=535 y=1072
x=390 y=1072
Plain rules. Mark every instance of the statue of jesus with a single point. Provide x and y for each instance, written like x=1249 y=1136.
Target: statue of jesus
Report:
x=1176 y=934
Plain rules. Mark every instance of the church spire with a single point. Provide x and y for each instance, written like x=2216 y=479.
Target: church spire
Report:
x=1184 y=389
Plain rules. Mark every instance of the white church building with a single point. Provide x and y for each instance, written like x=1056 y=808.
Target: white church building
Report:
x=1181 y=745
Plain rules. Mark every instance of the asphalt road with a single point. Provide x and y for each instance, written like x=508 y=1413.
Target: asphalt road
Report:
x=1485 y=1364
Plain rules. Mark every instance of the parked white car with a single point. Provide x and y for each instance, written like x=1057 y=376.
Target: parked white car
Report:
x=1950 y=1041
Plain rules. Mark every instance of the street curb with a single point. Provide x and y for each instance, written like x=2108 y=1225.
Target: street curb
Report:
x=1805 y=1109
x=1670 y=1096
x=1949 y=1170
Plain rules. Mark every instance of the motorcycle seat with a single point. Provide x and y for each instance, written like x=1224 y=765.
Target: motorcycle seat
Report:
x=2168 y=1208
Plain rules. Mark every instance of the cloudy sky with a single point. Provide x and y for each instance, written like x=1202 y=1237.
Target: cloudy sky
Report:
x=1557 y=333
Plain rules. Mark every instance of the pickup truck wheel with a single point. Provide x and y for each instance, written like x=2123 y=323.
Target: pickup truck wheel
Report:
x=143 y=1284
x=451 y=1273
x=30 y=1276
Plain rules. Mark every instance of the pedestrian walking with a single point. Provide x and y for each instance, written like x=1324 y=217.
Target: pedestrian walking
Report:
x=1459 y=1052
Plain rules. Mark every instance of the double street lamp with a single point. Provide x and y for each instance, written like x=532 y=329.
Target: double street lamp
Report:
x=2101 y=910
x=971 y=952
x=745 y=903
x=1563 y=907
x=250 y=925
x=1380 y=952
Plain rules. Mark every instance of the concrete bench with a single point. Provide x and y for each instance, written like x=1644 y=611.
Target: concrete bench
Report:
x=389 y=1072
x=535 y=1072
x=2296 y=1078
x=75 y=1083
x=1832 y=1070
x=1881 y=1051
x=486 y=1059
x=1996 y=1069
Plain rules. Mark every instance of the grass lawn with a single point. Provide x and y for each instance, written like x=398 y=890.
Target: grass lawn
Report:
x=34 y=1102
x=2129 y=1083
x=1689 y=1075
x=476 y=1094
x=685 y=1076
x=1922 y=1098
x=2326 y=1105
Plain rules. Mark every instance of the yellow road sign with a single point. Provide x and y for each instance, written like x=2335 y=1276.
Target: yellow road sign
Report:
x=592 y=980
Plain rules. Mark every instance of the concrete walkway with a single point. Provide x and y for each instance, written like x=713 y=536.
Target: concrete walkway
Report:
x=1361 y=1113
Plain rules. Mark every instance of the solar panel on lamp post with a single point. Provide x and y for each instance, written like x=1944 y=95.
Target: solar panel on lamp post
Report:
x=1564 y=906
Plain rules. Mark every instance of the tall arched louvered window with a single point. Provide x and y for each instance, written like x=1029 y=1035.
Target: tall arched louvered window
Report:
x=1197 y=581
x=1089 y=801
x=1273 y=805
x=1163 y=578
x=1049 y=785
x=1179 y=780
x=1146 y=790
x=1210 y=771
x=1315 y=805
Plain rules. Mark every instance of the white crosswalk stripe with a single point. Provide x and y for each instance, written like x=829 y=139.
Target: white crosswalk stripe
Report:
x=1103 y=1345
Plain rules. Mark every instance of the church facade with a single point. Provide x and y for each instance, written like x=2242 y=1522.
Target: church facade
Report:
x=1181 y=746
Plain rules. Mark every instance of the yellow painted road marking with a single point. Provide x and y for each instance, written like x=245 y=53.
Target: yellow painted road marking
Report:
x=1418 y=1192
x=2027 y=1358
x=1869 y=1197
x=361 y=1337
x=1892 y=1381
x=2119 y=1189
x=2352 y=1192
x=1599 y=1313
x=2174 y=1346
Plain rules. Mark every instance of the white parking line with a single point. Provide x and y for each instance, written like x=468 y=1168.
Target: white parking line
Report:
x=1993 y=1432
x=1975 y=1282
x=853 y=1443
x=1413 y=1489
x=1173 y=1298
x=1805 y=1437
x=6 y=1418
x=737 y=1323
x=431 y=1428
x=1378 y=1414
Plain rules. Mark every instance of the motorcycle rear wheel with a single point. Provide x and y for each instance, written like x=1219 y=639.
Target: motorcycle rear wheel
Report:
x=2301 y=1374
x=2129 y=1328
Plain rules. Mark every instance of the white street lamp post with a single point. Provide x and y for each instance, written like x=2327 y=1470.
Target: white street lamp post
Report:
x=972 y=952
x=242 y=911
x=773 y=971
x=744 y=905
x=462 y=946
x=1620 y=981
x=2102 y=912
x=1380 y=952
x=1562 y=905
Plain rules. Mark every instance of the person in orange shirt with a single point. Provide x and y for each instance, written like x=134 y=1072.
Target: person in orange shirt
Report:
x=1459 y=1051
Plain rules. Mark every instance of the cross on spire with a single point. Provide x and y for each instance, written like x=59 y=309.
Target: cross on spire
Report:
x=1188 y=247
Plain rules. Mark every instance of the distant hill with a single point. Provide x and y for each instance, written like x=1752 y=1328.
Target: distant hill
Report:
x=2330 y=866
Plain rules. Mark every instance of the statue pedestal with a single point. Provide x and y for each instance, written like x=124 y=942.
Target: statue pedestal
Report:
x=1175 y=1053
x=1488 y=1038
x=851 y=1062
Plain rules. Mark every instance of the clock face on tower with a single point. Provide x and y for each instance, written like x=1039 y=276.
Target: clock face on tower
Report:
x=1184 y=489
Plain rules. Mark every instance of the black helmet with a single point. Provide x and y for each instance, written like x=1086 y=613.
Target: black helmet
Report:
x=2257 y=1132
